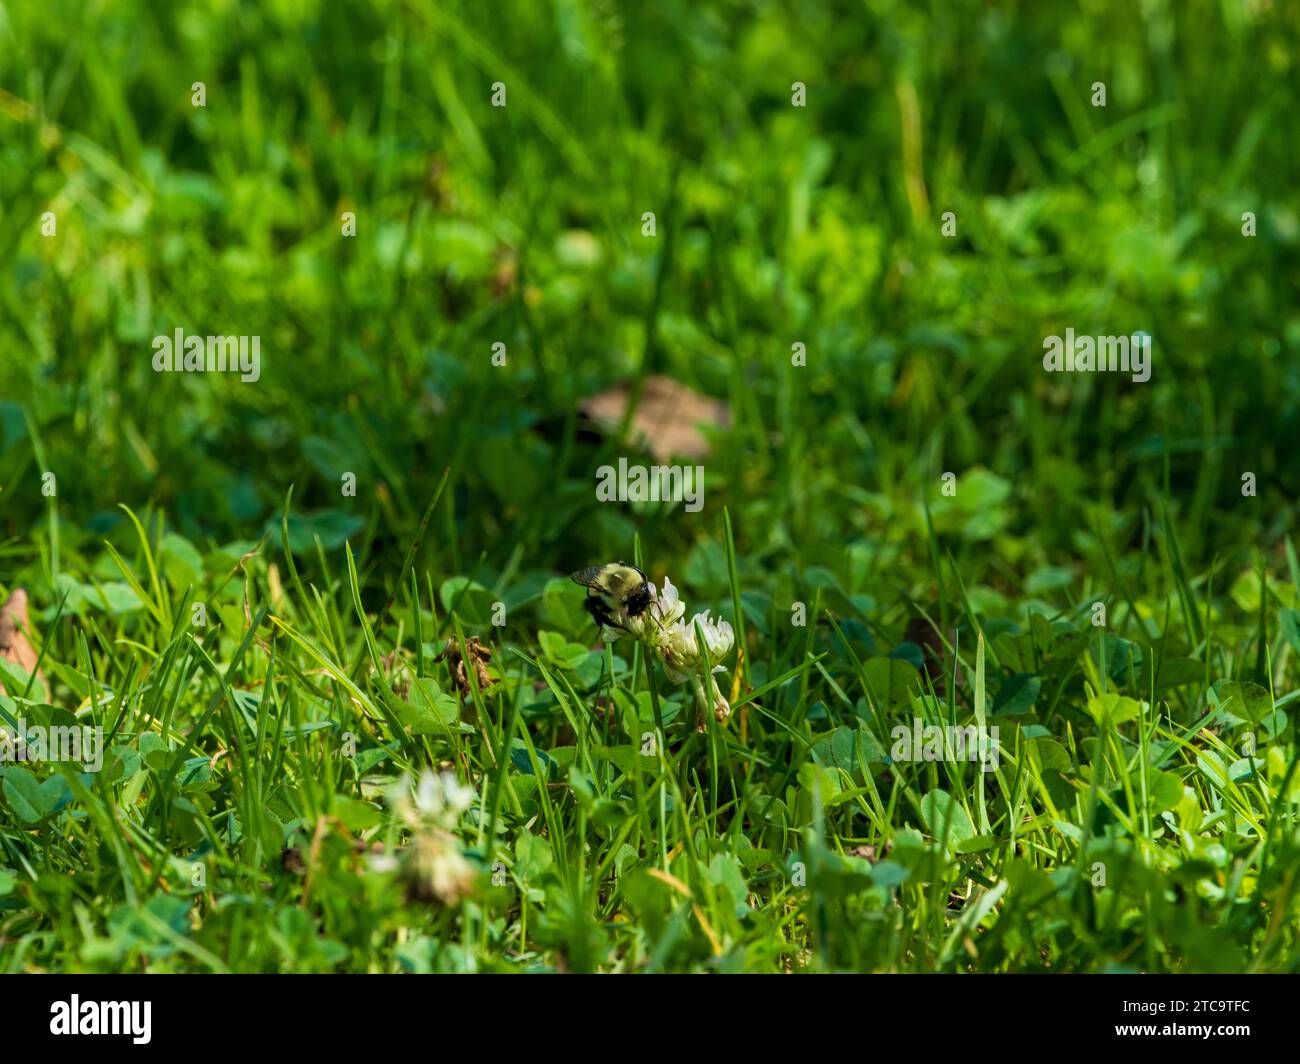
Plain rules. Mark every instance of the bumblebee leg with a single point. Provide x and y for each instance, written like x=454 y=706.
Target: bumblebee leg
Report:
x=600 y=613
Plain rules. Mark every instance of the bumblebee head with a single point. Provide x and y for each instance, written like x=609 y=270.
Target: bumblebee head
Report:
x=639 y=599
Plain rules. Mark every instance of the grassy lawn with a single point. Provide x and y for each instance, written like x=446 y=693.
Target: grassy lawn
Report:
x=1010 y=657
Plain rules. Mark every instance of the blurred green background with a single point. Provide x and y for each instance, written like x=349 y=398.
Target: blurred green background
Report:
x=775 y=224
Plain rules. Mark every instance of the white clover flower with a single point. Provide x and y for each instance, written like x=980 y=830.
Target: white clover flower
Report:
x=671 y=607
x=439 y=798
x=719 y=636
x=435 y=869
x=662 y=629
x=442 y=797
x=681 y=652
x=433 y=866
x=681 y=657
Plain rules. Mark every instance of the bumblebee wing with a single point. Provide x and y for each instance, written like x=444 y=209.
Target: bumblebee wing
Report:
x=588 y=577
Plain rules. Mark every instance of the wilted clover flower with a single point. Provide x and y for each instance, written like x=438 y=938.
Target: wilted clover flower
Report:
x=433 y=866
x=661 y=628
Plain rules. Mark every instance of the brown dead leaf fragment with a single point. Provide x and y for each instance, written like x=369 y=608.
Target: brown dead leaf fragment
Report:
x=480 y=655
x=667 y=418
x=14 y=645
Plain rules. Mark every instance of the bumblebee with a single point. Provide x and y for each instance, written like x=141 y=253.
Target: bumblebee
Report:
x=614 y=586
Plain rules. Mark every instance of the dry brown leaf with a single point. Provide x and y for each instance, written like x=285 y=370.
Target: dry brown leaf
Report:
x=480 y=656
x=667 y=419
x=14 y=645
